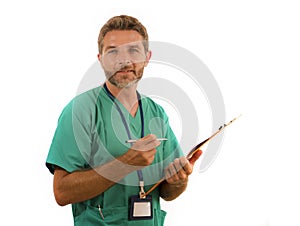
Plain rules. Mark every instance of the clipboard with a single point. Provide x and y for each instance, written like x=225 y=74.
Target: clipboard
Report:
x=194 y=150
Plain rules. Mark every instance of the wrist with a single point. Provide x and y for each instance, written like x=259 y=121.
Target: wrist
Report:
x=126 y=161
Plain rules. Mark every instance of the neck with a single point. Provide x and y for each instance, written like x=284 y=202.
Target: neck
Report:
x=127 y=96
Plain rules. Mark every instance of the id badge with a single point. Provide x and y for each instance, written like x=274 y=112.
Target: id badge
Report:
x=140 y=208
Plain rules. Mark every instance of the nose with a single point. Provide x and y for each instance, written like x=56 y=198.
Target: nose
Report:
x=123 y=59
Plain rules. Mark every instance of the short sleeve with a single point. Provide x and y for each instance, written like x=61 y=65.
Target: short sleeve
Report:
x=71 y=145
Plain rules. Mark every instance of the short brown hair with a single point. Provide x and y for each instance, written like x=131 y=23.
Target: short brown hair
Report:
x=123 y=22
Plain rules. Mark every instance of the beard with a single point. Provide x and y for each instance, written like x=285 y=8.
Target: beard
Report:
x=125 y=80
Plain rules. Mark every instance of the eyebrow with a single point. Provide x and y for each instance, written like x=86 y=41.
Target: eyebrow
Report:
x=128 y=45
x=109 y=47
x=134 y=46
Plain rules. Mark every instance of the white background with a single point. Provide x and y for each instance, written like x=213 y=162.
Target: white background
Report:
x=251 y=47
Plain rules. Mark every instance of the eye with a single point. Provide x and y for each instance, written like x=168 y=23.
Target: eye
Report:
x=134 y=50
x=111 y=51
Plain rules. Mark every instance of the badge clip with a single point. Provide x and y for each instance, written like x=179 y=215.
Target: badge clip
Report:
x=142 y=191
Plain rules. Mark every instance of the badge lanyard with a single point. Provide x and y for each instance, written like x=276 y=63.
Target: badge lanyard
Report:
x=139 y=172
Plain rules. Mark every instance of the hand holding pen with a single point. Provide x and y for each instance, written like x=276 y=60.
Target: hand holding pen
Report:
x=142 y=151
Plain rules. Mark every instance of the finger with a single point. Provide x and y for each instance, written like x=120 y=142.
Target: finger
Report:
x=149 y=156
x=185 y=167
x=171 y=173
x=182 y=174
x=195 y=157
x=146 y=143
x=151 y=145
x=144 y=158
x=149 y=138
x=177 y=164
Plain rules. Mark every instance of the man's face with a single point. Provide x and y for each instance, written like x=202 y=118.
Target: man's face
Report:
x=123 y=57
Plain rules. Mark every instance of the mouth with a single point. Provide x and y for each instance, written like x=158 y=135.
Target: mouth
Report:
x=125 y=71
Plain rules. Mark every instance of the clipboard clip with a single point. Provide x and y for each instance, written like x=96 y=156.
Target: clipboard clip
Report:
x=198 y=146
x=194 y=150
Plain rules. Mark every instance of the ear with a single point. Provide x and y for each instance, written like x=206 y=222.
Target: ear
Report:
x=148 y=56
x=100 y=59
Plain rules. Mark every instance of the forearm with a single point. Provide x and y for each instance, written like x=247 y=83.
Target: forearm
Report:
x=83 y=185
x=170 y=192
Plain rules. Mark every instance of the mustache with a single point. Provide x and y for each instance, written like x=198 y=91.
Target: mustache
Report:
x=125 y=68
x=113 y=73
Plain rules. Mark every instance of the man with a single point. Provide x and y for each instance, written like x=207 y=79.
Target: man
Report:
x=96 y=167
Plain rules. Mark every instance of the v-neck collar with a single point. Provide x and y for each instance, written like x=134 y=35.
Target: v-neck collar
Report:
x=120 y=105
x=121 y=109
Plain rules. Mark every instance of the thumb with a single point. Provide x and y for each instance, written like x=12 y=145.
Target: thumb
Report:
x=195 y=157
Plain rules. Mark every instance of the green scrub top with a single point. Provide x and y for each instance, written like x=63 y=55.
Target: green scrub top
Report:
x=90 y=133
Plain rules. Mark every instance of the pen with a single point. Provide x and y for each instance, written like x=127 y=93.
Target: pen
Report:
x=133 y=141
